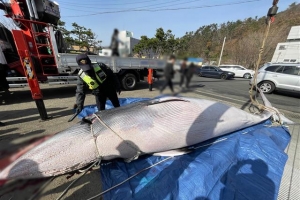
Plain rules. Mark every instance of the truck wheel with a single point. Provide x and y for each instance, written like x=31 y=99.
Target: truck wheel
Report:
x=266 y=87
x=129 y=81
x=247 y=76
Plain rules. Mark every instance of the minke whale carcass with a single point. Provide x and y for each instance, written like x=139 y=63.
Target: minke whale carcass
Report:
x=146 y=127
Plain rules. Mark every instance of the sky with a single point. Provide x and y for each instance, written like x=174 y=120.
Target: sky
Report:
x=143 y=17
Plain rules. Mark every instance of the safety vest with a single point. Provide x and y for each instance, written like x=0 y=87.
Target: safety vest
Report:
x=93 y=84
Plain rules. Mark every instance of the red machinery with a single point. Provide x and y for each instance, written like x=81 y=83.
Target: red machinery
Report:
x=37 y=60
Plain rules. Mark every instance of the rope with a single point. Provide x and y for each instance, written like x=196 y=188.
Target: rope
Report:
x=86 y=170
x=138 y=151
x=254 y=101
x=100 y=194
x=66 y=190
x=95 y=142
x=41 y=188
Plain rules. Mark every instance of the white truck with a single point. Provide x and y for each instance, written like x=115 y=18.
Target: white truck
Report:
x=129 y=70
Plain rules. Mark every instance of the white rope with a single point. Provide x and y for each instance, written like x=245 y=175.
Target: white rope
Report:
x=95 y=142
x=41 y=188
x=138 y=152
x=86 y=170
x=254 y=100
x=129 y=178
x=66 y=190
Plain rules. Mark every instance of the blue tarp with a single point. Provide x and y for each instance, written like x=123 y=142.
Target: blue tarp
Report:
x=90 y=109
x=247 y=164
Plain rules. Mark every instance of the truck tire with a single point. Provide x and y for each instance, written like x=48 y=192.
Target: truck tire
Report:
x=129 y=81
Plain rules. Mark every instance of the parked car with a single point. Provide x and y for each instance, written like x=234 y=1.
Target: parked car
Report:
x=278 y=76
x=215 y=72
x=238 y=70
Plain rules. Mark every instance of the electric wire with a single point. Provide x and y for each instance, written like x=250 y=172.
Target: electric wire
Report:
x=93 y=2
x=166 y=9
x=144 y=6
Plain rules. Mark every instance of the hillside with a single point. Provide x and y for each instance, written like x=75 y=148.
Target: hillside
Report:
x=243 y=38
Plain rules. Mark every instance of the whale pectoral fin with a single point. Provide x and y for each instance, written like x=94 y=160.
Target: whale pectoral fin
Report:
x=128 y=160
x=172 y=153
x=164 y=99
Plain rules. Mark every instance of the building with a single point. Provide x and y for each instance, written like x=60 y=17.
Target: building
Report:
x=289 y=51
x=125 y=49
x=129 y=43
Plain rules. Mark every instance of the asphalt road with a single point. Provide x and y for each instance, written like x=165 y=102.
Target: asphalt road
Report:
x=237 y=91
x=23 y=124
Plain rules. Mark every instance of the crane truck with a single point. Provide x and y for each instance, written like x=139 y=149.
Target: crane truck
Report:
x=33 y=52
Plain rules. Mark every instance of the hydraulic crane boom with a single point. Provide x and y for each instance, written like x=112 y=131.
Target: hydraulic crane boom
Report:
x=33 y=42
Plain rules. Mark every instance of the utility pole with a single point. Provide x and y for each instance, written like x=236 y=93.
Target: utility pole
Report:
x=221 y=52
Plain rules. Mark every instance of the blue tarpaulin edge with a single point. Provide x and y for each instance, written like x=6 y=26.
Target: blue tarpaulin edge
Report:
x=247 y=164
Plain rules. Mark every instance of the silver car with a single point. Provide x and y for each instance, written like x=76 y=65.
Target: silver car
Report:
x=278 y=76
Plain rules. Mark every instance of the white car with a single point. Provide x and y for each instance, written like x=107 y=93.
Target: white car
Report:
x=238 y=70
x=278 y=76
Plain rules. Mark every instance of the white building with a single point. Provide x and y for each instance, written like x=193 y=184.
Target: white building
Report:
x=289 y=51
x=129 y=42
x=124 y=50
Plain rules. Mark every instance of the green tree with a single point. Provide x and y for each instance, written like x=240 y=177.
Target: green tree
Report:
x=85 y=37
x=144 y=47
x=67 y=39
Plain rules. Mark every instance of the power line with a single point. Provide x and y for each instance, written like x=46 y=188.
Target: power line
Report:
x=140 y=7
x=166 y=9
x=137 y=2
x=145 y=6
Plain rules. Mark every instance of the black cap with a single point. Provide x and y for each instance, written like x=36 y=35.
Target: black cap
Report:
x=82 y=57
x=84 y=67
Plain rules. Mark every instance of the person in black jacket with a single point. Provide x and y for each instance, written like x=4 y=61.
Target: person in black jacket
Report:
x=4 y=85
x=169 y=74
x=114 y=45
x=183 y=71
x=189 y=74
x=100 y=79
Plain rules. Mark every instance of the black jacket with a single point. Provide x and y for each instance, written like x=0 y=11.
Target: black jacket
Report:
x=114 y=42
x=169 y=71
x=183 y=68
x=191 y=70
x=4 y=85
x=111 y=84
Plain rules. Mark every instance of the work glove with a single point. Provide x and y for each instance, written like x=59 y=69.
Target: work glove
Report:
x=77 y=108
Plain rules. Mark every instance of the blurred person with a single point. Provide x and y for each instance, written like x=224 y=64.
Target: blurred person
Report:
x=183 y=70
x=114 y=45
x=169 y=74
x=4 y=85
x=101 y=80
x=189 y=74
